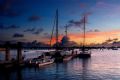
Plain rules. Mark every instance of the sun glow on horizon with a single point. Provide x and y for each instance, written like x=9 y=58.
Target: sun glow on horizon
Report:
x=91 y=37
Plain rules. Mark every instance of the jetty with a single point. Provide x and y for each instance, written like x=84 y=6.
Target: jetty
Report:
x=8 y=62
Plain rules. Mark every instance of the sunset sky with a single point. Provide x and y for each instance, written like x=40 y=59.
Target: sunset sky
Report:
x=28 y=20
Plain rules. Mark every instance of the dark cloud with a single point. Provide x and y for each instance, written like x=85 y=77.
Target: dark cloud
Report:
x=34 y=18
x=35 y=43
x=38 y=31
x=18 y=40
x=17 y=35
x=65 y=42
x=3 y=27
x=30 y=30
x=95 y=30
x=111 y=40
x=115 y=39
x=34 y=30
x=79 y=23
x=90 y=31
x=46 y=35
x=15 y=40
x=75 y=23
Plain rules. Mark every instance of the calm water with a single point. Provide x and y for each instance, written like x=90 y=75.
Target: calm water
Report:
x=103 y=65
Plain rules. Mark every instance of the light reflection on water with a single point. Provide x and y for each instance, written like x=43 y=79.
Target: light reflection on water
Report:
x=103 y=65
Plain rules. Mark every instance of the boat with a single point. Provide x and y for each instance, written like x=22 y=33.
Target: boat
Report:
x=67 y=58
x=114 y=48
x=85 y=53
x=61 y=56
x=67 y=55
x=41 y=61
x=57 y=54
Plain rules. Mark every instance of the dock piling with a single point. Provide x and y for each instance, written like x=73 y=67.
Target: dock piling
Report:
x=7 y=51
x=19 y=52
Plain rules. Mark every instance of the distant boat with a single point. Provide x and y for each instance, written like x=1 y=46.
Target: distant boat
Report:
x=115 y=48
x=26 y=51
x=85 y=53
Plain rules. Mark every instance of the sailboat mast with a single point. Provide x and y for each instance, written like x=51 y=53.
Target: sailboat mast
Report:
x=57 y=28
x=84 y=31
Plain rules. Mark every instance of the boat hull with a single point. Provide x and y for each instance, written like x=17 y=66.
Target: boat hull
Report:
x=67 y=58
x=46 y=63
x=41 y=64
x=87 y=55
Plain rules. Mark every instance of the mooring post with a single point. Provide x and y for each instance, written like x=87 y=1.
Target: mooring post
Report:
x=7 y=51
x=19 y=52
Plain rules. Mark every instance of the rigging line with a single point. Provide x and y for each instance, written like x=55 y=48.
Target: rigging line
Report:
x=57 y=28
x=52 y=32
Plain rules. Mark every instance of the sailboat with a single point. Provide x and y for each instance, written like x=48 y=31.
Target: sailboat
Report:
x=58 y=57
x=85 y=53
x=57 y=54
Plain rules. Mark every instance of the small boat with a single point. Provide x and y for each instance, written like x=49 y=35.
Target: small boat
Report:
x=26 y=51
x=41 y=61
x=85 y=53
x=114 y=48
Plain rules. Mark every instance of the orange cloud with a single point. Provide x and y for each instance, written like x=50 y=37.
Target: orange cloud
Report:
x=59 y=39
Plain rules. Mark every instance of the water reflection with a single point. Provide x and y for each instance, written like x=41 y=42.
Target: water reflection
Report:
x=6 y=75
x=85 y=63
x=19 y=74
x=103 y=65
x=61 y=71
x=11 y=74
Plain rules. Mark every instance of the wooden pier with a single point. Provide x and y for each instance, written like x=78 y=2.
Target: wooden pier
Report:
x=8 y=62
